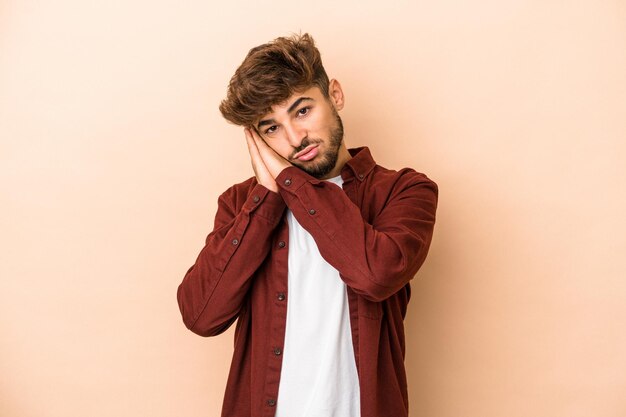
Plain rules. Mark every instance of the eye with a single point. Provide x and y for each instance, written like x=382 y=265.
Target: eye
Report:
x=271 y=130
x=303 y=111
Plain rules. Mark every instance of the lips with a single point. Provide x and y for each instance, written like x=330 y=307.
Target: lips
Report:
x=307 y=154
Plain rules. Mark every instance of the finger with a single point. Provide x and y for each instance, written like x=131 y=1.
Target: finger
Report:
x=252 y=146
x=255 y=157
x=264 y=149
x=258 y=163
x=248 y=134
x=256 y=136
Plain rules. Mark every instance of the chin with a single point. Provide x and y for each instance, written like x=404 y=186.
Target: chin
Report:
x=319 y=170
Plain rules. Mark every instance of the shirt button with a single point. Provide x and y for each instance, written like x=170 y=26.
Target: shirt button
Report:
x=287 y=182
x=281 y=296
x=256 y=198
x=235 y=241
x=361 y=176
x=281 y=244
x=311 y=211
x=271 y=402
x=277 y=351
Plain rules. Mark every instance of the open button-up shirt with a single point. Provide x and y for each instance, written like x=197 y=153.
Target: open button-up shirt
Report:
x=376 y=232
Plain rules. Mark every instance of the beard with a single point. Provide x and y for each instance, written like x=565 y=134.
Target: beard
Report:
x=328 y=160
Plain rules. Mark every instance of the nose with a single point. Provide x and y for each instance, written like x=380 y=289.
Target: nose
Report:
x=295 y=134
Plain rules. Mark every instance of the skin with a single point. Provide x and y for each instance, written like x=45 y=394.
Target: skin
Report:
x=305 y=118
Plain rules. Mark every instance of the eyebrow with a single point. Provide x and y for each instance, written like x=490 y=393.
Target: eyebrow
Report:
x=289 y=110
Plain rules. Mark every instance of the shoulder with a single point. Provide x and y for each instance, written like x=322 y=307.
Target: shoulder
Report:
x=378 y=176
x=401 y=180
x=401 y=194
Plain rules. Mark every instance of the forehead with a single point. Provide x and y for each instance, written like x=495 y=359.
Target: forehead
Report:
x=312 y=92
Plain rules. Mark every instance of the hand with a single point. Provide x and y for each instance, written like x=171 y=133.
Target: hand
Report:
x=267 y=164
x=261 y=172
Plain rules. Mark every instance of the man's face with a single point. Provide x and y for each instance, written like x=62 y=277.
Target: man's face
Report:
x=306 y=130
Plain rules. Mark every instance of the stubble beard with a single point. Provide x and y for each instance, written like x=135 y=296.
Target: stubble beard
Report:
x=327 y=161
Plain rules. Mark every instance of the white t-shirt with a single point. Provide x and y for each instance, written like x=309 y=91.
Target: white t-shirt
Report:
x=318 y=376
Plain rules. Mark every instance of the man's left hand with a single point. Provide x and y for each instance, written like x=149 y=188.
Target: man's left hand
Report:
x=274 y=162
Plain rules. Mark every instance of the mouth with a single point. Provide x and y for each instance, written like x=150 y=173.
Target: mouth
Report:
x=307 y=154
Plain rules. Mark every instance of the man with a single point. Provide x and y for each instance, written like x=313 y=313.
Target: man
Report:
x=313 y=255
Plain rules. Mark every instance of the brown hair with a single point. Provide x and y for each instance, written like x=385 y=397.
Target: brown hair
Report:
x=270 y=74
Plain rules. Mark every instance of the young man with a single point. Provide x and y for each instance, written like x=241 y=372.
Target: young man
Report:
x=313 y=255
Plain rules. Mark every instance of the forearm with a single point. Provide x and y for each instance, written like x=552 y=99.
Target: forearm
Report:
x=212 y=291
x=376 y=259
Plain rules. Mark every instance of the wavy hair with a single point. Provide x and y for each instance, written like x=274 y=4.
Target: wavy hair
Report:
x=270 y=74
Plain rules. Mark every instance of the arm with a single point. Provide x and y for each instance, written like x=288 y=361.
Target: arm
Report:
x=375 y=260
x=213 y=289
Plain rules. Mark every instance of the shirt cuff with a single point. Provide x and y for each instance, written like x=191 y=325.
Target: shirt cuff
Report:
x=266 y=203
x=292 y=178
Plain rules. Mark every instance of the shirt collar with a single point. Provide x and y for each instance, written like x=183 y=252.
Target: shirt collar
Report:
x=360 y=165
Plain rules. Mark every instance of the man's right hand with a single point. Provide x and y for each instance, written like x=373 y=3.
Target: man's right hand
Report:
x=261 y=172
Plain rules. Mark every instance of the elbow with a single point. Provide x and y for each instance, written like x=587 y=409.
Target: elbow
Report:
x=187 y=313
x=390 y=277
x=373 y=291
x=208 y=329
x=377 y=285
x=190 y=317
x=202 y=323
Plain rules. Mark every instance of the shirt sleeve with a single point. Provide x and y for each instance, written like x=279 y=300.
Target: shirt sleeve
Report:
x=375 y=260
x=213 y=289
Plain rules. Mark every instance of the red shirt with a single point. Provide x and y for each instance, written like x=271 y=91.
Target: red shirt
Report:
x=376 y=232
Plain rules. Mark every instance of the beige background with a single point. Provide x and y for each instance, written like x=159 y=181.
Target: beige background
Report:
x=113 y=153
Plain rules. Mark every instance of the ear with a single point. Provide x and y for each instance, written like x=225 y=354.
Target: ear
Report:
x=335 y=93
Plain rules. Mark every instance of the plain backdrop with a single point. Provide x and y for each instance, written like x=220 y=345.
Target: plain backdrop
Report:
x=113 y=153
